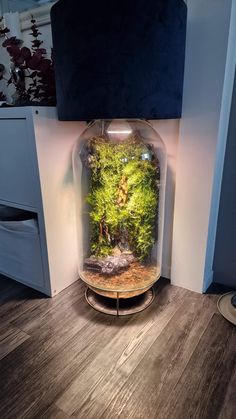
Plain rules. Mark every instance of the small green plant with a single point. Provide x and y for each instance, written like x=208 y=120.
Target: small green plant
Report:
x=123 y=197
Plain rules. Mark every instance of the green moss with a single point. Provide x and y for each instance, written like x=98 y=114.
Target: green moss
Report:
x=123 y=196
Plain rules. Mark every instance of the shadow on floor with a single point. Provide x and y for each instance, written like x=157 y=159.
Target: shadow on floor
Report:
x=216 y=288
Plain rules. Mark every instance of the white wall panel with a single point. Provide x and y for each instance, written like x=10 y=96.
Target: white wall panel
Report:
x=206 y=53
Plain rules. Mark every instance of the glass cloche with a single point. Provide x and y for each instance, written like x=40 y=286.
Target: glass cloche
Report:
x=119 y=172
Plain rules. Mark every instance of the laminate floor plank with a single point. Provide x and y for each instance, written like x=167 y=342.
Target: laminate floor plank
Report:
x=13 y=297
x=26 y=399
x=144 y=392
x=41 y=312
x=228 y=408
x=44 y=344
x=16 y=303
x=29 y=308
x=10 y=339
x=53 y=412
x=202 y=387
x=8 y=287
x=61 y=359
x=47 y=338
x=88 y=394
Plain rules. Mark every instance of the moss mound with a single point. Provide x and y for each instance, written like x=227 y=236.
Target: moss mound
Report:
x=123 y=197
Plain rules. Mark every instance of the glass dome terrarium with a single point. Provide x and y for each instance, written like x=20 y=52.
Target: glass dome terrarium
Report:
x=119 y=172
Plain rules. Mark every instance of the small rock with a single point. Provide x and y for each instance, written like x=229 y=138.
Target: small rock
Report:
x=109 y=265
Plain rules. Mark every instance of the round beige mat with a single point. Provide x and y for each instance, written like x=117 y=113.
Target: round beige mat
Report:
x=226 y=307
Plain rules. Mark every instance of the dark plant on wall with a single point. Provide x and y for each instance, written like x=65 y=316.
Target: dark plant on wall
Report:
x=31 y=72
x=123 y=197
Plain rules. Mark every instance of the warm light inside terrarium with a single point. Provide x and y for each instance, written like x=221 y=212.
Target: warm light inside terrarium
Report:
x=121 y=128
x=119 y=132
x=119 y=170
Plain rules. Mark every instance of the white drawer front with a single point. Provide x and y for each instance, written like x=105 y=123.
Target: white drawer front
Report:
x=20 y=253
x=17 y=163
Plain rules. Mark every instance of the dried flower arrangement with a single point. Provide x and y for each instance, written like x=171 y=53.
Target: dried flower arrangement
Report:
x=31 y=72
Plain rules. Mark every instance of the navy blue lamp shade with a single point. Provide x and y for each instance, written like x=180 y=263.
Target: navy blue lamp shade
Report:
x=119 y=58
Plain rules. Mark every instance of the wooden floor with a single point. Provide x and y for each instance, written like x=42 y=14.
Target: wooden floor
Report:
x=59 y=358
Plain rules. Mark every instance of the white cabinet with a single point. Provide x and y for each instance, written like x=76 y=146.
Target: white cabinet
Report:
x=20 y=252
x=16 y=160
x=36 y=175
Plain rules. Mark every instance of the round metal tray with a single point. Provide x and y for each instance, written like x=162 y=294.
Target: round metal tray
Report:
x=119 y=306
x=226 y=307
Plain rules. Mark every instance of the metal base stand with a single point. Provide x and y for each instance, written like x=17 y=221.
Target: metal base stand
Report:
x=119 y=306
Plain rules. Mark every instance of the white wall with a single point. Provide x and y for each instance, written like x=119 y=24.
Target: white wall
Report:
x=169 y=132
x=194 y=222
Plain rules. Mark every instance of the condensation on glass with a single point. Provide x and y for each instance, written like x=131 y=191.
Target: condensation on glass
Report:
x=120 y=174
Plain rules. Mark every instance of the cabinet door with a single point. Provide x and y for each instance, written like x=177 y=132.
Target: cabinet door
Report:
x=17 y=163
x=20 y=253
